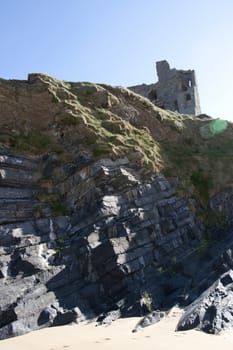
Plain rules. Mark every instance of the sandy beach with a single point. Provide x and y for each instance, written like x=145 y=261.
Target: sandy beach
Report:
x=160 y=336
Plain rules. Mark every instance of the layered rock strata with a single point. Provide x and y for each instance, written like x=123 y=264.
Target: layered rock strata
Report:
x=90 y=228
x=113 y=246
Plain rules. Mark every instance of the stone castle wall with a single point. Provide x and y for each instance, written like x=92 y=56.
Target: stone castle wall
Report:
x=176 y=90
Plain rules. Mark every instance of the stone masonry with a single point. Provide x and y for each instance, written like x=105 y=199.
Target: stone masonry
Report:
x=176 y=90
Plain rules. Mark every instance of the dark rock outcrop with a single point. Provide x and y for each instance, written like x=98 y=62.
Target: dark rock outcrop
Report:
x=212 y=312
x=125 y=240
x=113 y=246
x=151 y=318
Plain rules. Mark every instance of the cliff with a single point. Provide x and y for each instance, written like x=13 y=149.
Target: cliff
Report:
x=111 y=207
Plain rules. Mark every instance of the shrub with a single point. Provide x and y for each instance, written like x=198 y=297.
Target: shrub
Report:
x=59 y=209
x=202 y=184
x=34 y=142
x=203 y=246
x=59 y=244
x=147 y=301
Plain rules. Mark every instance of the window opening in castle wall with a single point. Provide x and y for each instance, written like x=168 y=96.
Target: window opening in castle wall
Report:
x=176 y=105
x=153 y=95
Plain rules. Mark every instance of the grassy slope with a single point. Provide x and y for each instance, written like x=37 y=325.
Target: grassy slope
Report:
x=115 y=122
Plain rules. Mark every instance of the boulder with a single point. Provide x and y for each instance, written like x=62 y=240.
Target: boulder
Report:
x=212 y=312
x=151 y=318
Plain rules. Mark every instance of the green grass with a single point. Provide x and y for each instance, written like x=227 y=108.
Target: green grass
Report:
x=69 y=120
x=99 y=152
x=34 y=142
x=59 y=209
x=115 y=122
x=59 y=244
x=210 y=218
x=148 y=301
x=203 y=246
x=202 y=184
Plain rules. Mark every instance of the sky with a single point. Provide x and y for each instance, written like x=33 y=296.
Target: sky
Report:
x=118 y=42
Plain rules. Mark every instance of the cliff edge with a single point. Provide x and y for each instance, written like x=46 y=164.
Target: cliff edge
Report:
x=111 y=206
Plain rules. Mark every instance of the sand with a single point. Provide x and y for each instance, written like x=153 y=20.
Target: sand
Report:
x=160 y=336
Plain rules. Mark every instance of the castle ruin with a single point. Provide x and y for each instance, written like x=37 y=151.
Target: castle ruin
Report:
x=175 y=90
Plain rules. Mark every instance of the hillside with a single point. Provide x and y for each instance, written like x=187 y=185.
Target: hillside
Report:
x=110 y=205
x=43 y=115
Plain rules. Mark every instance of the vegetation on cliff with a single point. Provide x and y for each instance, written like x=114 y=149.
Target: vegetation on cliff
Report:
x=110 y=122
x=89 y=222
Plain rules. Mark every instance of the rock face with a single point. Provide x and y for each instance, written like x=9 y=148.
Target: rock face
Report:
x=127 y=245
x=89 y=226
x=103 y=256
x=148 y=320
x=212 y=312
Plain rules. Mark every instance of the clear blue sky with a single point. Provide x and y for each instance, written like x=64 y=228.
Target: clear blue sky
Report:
x=118 y=41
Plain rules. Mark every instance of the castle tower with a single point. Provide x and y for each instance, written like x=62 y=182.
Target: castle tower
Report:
x=175 y=90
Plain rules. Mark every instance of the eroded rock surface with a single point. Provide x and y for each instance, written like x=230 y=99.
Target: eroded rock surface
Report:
x=212 y=312
x=113 y=245
x=122 y=237
x=89 y=226
x=148 y=320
